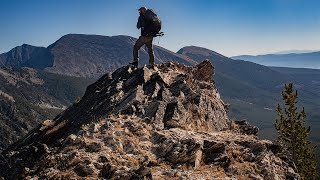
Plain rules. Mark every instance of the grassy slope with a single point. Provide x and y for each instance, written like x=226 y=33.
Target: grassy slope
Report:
x=65 y=88
x=17 y=118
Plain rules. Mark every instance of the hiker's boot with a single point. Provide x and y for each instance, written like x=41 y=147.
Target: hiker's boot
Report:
x=134 y=64
x=151 y=66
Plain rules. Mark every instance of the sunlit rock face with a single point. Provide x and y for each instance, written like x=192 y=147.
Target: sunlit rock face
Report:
x=160 y=122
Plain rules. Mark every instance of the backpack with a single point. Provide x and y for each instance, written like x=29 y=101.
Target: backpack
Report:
x=153 y=26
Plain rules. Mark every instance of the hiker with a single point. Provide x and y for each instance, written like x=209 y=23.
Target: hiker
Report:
x=150 y=26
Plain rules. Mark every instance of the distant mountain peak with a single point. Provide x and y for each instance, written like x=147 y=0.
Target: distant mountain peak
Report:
x=26 y=56
x=198 y=50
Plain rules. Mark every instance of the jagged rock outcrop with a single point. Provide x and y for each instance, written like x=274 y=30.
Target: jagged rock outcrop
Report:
x=166 y=121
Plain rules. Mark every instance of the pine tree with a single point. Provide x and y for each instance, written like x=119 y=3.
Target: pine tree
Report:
x=293 y=136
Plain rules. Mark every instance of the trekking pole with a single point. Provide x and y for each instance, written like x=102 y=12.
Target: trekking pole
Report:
x=5 y=160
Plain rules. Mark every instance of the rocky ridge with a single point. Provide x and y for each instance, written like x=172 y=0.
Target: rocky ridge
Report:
x=166 y=121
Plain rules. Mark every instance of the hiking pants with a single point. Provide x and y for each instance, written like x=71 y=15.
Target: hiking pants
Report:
x=143 y=40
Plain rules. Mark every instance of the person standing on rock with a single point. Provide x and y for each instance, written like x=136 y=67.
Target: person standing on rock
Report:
x=150 y=25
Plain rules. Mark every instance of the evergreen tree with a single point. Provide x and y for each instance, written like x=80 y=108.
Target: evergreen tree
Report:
x=293 y=136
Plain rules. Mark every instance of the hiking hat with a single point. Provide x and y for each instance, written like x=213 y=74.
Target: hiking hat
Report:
x=142 y=8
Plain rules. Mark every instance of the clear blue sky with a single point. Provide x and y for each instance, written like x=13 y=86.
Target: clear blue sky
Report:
x=230 y=27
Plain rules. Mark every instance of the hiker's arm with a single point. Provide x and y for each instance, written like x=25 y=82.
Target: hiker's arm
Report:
x=140 y=21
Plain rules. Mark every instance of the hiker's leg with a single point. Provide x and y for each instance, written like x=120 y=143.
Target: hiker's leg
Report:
x=139 y=43
x=150 y=50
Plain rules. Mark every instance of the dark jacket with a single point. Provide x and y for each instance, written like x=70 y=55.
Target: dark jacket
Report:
x=141 y=24
x=144 y=22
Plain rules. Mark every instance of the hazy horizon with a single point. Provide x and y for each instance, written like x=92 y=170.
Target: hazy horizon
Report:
x=230 y=27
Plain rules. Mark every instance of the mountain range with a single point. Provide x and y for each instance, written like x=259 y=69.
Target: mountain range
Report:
x=295 y=60
x=84 y=55
x=252 y=90
x=294 y=51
